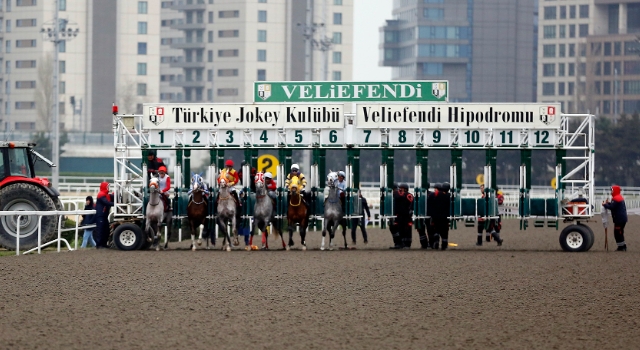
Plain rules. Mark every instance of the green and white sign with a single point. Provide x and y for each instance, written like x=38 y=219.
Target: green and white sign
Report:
x=339 y=91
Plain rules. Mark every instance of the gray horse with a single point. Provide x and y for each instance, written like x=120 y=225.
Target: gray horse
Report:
x=226 y=208
x=155 y=215
x=263 y=213
x=333 y=215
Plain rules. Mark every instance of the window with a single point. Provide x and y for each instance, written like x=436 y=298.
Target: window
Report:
x=262 y=75
x=335 y=2
x=62 y=68
x=548 y=89
x=337 y=18
x=606 y=88
x=606 y=107
x=142 y=7
x=572 y=69
x=262 y=36
x=435 y=14
x=549 y=69
x=584 y=30
x=26 y=2
x=549 y=50
x=210 y=36
x=26 y=22
x=432 y=68
x=228 y=14
x=26 y=105
x=24 y=64
x=337 y=57
x=572 y=31
x=27 y=43
x=561 y=89
x=262 y=16
x=142 y=89
x=210 y=17
x=62 y=87
x=337 y=38
x=227 y=72
x=209 y=74
x=62 y=5
x=584 y=11
x=228 y=53
x=607 y=49
x=617 y=48
x=562 y=50
x=228 y=33
x=8 y=10
x=631 y=48
x=597 y=89
x=227 y=92
x=62 y=46
x=631 y=106
x=563 y=12
x=572 y=50
x=337 y=75
x=262 y=55
x=549 y=32
x=549 y=12
x=210 y=56
x=631 y=67
x=142 y=27
x=598 y=69
x=617 y=67
x=166 y=4
x=606 y=69
x=631 y=87
x=562 y=32
x=142 y=69
x=26 y=84
x=561 y=69
x=572 y=11
x=142 y=48
x=633 y=18
x=8 y=46
x=8 y=24
x=7 y=86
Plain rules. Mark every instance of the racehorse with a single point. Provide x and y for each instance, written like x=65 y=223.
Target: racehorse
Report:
x=333 y=215
x=226 y=209
x=197 y=209
x=263 y=213
x=156 y=215
x=296 y=214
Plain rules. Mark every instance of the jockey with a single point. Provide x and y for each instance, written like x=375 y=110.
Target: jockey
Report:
x=342 y=187
x=232 y=178
x=270 y=185
x=164 y=184
x=301 y=181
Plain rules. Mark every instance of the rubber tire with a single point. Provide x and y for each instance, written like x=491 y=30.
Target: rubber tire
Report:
x=26 y=196
x=128 y=229
x=592 y=237
x=582 y=231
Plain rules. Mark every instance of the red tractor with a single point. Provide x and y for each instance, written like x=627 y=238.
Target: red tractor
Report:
x=21 y=190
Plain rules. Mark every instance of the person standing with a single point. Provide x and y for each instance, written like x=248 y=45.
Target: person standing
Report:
x=403 y=211
x=88 y=219
x=424 y=229
x=618 y=210
x=355 y=222
x=440 y=217
x=493 y=230
x=103 y=206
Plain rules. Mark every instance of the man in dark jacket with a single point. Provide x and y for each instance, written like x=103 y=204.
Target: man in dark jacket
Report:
x=424 y=230
x=619 y=215
x=103 y=206
x=355 y=222
x=440 y=216
x=403 y=211
x=153 y=163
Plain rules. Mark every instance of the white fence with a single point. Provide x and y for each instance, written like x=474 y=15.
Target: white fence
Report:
x=61 y=217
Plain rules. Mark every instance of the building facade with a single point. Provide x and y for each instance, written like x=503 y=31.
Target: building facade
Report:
x=215 y=51
x=485 y=49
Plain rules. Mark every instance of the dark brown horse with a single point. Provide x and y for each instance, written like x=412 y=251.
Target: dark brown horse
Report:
x=297 y=214
x=197 y=209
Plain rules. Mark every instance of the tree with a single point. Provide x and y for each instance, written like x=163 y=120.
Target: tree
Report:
x=44 y=93
x=43 y=146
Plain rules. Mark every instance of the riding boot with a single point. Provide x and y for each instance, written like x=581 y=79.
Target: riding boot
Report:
x=445 y=244
x=397 y=242
x=496 y=237
x=435 y=242
x=479 y=242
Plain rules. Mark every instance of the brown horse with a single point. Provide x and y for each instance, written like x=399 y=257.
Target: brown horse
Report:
x=297 y=214
x=197 y=209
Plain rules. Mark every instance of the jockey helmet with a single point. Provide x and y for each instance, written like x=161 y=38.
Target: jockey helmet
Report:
x=151 y=153
x=229 y=162
x=295 y=167
x=341 y=173
x=268 y=175
x=446 y=186
x=162 y=168
x=405 y=186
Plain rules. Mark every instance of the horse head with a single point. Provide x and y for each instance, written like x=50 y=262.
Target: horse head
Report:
x=259 y=181
x=293 y=186
x=332 y=178
x=154 y=184
x=196 y=182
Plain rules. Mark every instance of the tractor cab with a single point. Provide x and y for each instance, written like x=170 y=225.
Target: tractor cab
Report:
x=15 y=161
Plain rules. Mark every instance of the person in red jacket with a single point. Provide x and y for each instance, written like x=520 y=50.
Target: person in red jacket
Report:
x=271 y=186
x=164 y=183
x=619 y=215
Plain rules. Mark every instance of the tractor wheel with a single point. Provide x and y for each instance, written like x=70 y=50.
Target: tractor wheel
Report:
x=128 y=237
x=26 y=197
x=576 y=238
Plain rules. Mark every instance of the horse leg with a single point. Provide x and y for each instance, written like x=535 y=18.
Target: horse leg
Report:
x=166 y=244
x=235 y=232
x=193 y=235
x=290 y=236
x=201 y=228
x=303 y=235
x=344 y=234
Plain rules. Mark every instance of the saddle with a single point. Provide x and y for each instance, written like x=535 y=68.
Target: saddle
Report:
x=166 y=203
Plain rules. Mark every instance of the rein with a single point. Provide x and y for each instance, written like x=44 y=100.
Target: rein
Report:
x=299 y=201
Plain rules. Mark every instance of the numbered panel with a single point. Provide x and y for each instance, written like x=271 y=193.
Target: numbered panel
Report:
x=402 y=137
x=330 y=137
x=231 y=138
x=368 y=137
x=161 y=137
x=542 y=138
x=471 y=138
x=265 y=138
x=506 y=138
x=437 y=138
x=300 y=137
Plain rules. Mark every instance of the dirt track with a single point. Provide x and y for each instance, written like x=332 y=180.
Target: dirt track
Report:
x=526 y=294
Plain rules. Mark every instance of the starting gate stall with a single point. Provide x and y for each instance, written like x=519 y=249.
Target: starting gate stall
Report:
x=389 y=126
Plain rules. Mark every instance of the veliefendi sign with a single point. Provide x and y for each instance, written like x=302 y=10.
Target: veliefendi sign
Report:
x=339 y=91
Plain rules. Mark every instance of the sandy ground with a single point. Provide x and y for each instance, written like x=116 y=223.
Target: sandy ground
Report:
x=525 y=294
